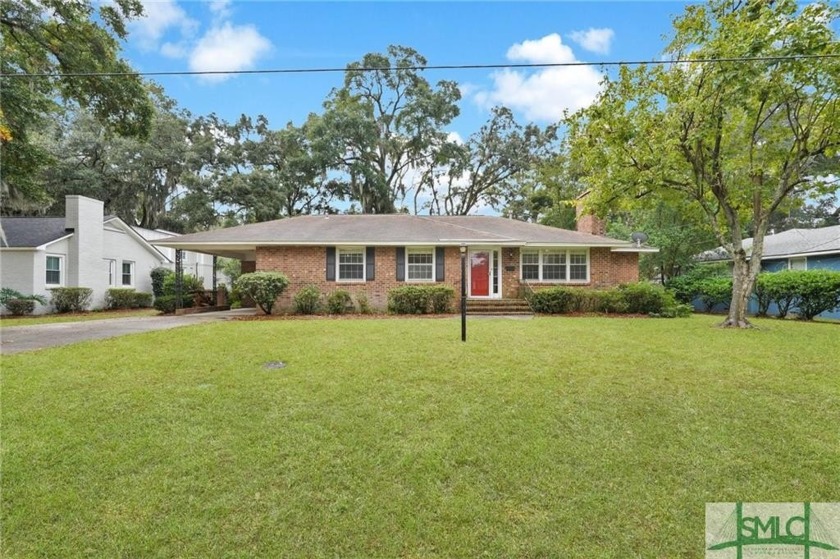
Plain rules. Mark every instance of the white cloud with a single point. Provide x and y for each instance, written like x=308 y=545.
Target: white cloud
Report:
x=220 y=8
x=548 y=50
x=454 y=137
x=594 y=40
x=228 y=47
x=174 y=50
x=542 y=94
x=159 y=16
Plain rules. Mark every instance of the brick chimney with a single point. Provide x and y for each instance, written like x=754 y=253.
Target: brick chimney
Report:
x=586 y=222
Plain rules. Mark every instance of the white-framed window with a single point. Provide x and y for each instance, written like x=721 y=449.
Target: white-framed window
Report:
x=555 y=265
x=112 y=272
x=798 y=263
x=127 y=276
x=420 y=264
x=578 y=265
x=55 y=270
x=350 y=264
x=531 y=266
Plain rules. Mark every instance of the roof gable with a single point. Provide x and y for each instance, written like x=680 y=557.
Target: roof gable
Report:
x=32 y=232
x=788 y=243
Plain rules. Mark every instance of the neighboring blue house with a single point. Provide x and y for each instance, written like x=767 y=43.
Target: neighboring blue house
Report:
x=795 y=249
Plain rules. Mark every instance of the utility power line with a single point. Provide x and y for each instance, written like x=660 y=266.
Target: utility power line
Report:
x=328 y=70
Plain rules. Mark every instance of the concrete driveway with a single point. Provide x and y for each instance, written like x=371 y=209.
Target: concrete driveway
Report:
x=15 y=339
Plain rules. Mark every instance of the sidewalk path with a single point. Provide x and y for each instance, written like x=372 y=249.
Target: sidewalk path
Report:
x=15 y=339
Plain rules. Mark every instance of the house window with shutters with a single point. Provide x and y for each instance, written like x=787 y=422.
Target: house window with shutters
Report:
x=420 y=264
x=351 y=264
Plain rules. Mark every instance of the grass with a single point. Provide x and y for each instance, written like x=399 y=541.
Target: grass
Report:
x=7 y=321
x=555 y=437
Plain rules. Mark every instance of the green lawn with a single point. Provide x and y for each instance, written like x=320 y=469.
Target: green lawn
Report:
x=554 y=437
x=72 y=317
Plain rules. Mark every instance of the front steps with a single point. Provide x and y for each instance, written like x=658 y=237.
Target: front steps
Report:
x=498 y=307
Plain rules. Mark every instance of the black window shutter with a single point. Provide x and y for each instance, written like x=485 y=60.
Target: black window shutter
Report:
x=439 y=263
x=400 y=263
x=330 y=263
x=370 y=263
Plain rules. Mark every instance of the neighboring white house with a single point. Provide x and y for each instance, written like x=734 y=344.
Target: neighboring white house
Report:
x=194 y=263
x=82 y=249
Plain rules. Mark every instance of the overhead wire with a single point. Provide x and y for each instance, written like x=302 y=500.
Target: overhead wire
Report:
x=362 y=69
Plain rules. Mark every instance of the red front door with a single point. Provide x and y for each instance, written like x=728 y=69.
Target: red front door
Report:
x=480 y=274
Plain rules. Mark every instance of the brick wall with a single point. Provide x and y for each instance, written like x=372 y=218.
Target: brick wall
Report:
x=307 y=266
x=606 y=269
x=249 y=266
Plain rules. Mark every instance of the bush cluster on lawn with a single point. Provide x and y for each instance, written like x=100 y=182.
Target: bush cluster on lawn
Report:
x=421 y=299
x=263 y=287
x=808 y=292
x=307 y=300
x=19 y=304
x=710 y=284
x=159 y=276
x=189 y=284
x=363 y=304
x=163 y=288
x=127 y=298
x=339 y=301
x=71 y=299
x=634 y=298
x=805 y=292
x=166 y=303
x=20 y=307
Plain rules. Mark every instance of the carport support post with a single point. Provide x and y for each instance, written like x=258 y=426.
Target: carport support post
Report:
x=179 y=277
x=215 y=295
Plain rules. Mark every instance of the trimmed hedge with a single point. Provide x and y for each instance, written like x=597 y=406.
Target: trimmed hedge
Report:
x=263 y=287
x=808 y=292
x=189 y=284
x=159 y=276
x=166 y=303
x=8 y=293
x=127 y=298
x=307 y=300
x=19 y=304
x=20 y=307
x=634 y=298
x=339 y=301
x=421 y=299
x=71 y=299
x=694 y=284
x=715 y=291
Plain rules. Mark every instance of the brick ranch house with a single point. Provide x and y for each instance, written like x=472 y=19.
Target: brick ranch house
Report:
x=372 y=254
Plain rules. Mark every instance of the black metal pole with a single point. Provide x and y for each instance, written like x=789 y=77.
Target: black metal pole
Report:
x=215 y=284
x=464 y=296
x=179 y=277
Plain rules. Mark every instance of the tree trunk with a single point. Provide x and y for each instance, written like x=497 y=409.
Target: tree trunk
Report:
x=742 y=286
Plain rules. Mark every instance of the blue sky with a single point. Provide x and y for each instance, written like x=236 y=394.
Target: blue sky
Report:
x=225 y=34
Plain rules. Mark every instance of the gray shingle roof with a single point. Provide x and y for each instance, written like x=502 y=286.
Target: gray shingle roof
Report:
x=391 y=230
x=30 y=232
x=788 y=243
